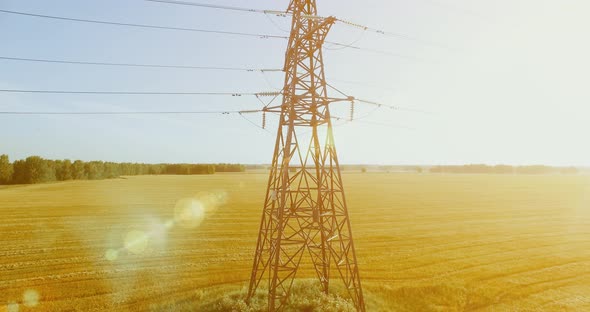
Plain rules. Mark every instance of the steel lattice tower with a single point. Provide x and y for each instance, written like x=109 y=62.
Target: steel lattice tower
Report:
x=305 y=207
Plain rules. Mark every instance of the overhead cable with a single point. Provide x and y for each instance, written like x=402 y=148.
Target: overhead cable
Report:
x=135 y=64
x=260 y=94
x=119 y=113
x=262 y=36
x=284 y=13
x=215 y=6
x=391 y=34
x=149 y=26
x=376 y=104
x=350 y=46
x=407 y=109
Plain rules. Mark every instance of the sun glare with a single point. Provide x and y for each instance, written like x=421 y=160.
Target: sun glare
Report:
x=12 y=307
x=189 y=212
x=136 y=242
x=169 y=224
x=31 y=298
x=111 y=255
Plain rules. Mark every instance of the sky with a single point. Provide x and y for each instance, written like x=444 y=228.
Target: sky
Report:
x=495 y=82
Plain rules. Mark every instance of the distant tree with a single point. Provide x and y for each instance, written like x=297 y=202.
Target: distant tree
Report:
x=6 y=170
x=503 y=169
x=154 y=169
x=51 y=168
x=78 y=172
x=127 y=169
x=230 y=168
x=569 y=170
x=91 y=170
x=37 y=170
x=535 y=169
x=111 y=170
x=19 y=172
x=94 y=170
x=203 y=169
x=363 y=169
x=63 y=170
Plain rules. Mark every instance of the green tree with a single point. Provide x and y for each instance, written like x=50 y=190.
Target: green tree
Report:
x=78 y=172
x=6 y=170
x=111 y=170
x=93 y=170
x=64 y=170
x=37 y=170
x=50 y=171
x=19 y=172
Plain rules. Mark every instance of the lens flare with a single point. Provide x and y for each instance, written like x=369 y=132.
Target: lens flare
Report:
x=111 y=255
x=31 y=298
x=169 y=224
x=158 y=232
x=189 y=212
x=12 y=307
x=136 y=242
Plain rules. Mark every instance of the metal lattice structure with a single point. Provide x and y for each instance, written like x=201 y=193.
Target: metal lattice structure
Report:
x=305 y=206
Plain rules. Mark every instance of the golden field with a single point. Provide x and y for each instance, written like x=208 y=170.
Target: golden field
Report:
x=424 y=242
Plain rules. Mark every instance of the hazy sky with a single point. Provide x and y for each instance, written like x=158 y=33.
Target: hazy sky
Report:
x=507 y=81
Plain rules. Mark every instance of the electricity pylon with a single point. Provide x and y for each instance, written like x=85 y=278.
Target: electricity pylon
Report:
x=305 y=207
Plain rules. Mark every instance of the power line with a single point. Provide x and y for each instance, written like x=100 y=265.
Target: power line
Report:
x=275 y=24
x=373 y=123
x=241 y=113
x=263 y=36
x=364 y=84
x=284 y=13
x=119 y=92
x=407 y=109
x=260 y=94
x=345 y=46
x=350 y=46
x=377 y=104
x=148 y=26
x=263 y=128
x=392 y=34
x=346 y=120
x=215 y=6
x=122 y=113
x=136 y=65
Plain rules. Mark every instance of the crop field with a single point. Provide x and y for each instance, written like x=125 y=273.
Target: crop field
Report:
x=425 y=242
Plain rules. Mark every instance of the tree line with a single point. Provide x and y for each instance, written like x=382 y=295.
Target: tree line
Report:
x=35 y=169
x=505 y=169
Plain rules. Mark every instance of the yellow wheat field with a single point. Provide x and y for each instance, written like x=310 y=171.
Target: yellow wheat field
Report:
x=424 y=242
